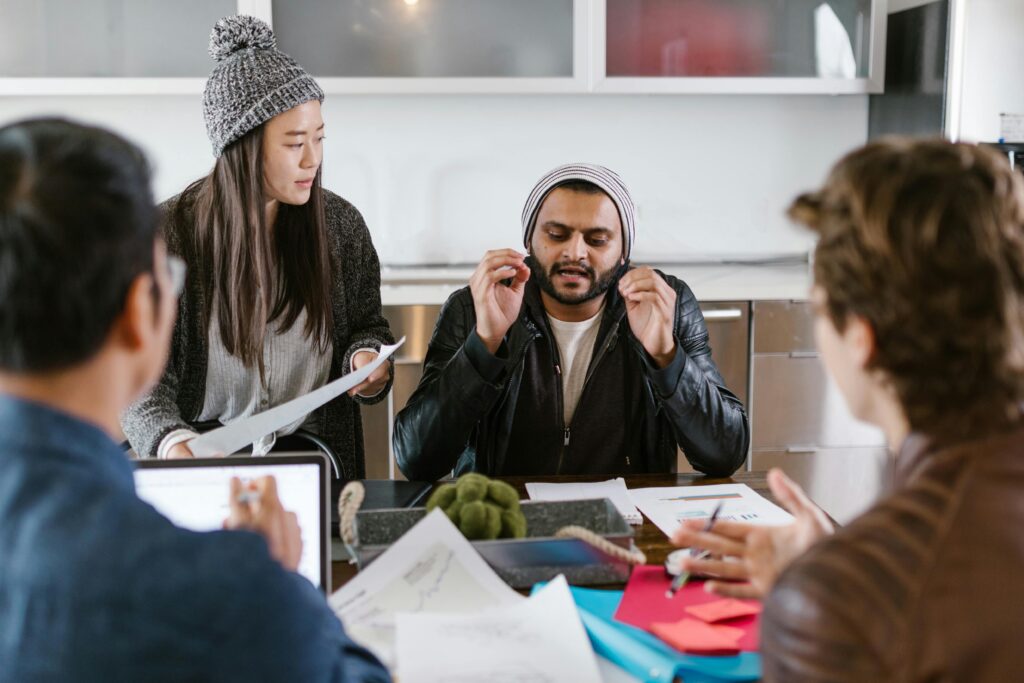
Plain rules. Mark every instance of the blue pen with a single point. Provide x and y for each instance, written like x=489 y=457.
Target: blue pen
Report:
x=684 y=576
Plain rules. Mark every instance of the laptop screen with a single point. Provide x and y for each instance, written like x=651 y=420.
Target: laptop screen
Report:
x=194 y=495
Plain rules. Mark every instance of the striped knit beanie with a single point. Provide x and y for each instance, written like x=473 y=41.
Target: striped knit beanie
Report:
x=252 y=82
x=604 y=178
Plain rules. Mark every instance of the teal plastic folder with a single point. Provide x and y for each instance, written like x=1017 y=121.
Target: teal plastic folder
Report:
x=646 y=657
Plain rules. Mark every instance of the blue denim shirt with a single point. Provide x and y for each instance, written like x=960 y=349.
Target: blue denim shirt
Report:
x=95 y=585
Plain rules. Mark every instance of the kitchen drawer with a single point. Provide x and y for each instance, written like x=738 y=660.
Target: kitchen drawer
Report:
x=842 y=481
x=795 y=404
x=728 y=326
x=783 y=327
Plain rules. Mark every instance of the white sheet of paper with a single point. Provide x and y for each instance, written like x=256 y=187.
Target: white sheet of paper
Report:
x=613 y=489
x=539 y=640
x=668 y=506
x=432 y=568
x=229 y=438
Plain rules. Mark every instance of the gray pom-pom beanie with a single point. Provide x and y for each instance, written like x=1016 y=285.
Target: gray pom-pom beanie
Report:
x=605 y=178
x=252 y=82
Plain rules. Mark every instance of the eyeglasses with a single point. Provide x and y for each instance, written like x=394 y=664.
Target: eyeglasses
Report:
x=176 y=268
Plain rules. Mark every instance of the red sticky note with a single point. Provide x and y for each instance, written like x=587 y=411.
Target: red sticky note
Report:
x=690 y=635
x=644 y=603
x=723 y=610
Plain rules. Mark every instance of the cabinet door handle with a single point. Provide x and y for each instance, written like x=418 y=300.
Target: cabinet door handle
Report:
x=803 y=354
x=723 y=314
x=801 y=449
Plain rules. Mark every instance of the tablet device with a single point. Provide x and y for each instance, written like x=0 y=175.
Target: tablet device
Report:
x=193 y=493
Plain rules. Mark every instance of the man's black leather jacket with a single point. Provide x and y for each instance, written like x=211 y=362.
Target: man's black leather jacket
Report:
x=471 y=406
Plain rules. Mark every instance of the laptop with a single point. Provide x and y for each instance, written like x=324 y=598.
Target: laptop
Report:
x=193 y=493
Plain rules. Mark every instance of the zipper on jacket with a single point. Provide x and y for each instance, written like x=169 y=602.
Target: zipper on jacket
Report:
x=609 y=339
x=561 y=409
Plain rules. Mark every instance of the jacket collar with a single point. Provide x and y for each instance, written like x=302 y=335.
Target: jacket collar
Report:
x=534 y=312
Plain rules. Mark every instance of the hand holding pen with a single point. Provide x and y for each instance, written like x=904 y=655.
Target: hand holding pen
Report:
x=255 y=506
x=680 y=580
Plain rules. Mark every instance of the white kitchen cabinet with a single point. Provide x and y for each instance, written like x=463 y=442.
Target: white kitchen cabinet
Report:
x=458 y=46
x=126 y=46
x=739 y=46
x=438 y=45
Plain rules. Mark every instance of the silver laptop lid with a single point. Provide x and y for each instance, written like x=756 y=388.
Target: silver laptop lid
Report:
x=193 y=493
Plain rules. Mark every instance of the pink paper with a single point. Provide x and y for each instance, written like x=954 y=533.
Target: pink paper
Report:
x=690 y=635
x=724 y=610
x=644 y=603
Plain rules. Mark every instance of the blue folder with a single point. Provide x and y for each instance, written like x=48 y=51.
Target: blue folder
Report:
x=646 y=657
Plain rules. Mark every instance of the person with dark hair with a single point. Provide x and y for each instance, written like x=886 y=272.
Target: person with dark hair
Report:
x=919 y=302
x=283 y=293
x=96 y=585
x=569 y=360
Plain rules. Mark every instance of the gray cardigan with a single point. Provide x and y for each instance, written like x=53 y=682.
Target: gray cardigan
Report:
x=358 y=323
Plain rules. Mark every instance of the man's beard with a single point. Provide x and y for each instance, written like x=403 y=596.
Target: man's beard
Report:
x=598 y=285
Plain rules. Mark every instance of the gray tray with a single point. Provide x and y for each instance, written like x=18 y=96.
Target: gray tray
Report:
x=523 y=562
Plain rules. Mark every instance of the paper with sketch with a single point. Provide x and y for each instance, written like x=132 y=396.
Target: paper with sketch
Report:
x=613 y=489
x=536 y=641
x=229 y=438
x=668 y=506
x=432 y=568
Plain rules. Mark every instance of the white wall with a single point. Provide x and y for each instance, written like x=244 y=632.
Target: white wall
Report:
x=443 y=178
x=993 y=80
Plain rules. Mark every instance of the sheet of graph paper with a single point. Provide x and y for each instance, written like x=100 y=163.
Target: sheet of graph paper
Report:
x=431 y=568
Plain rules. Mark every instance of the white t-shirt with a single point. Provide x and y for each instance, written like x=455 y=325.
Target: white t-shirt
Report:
x=576 y=348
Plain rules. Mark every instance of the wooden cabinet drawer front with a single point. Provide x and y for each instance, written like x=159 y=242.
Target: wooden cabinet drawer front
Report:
x=783 y=327
x=796 y=405
x=728 y=326
x=842 y=481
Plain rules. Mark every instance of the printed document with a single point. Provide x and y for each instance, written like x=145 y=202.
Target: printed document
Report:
x=538 y=640
x=668 y=506
x=432 y=568
x=240 y=433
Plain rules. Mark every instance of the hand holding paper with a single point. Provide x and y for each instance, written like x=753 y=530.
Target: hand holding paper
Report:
x=378 y=379
x=236 y=435
x=760 y=552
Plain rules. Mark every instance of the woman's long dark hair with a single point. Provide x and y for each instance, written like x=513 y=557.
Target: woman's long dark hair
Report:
x=254 y=274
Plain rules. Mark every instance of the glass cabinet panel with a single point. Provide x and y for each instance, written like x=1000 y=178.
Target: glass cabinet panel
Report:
x=89 y=38
x=428 y=38
x=738 y=38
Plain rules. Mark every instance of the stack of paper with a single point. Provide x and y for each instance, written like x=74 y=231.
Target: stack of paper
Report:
x=540 y=639
x=667 y=507
x=432 y=593
x=432 y=568
x=613 y=489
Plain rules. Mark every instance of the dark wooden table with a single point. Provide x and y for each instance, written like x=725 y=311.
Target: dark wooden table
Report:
x=649 y=538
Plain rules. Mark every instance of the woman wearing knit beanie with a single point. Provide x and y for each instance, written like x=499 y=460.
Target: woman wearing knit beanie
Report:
x=283 y=290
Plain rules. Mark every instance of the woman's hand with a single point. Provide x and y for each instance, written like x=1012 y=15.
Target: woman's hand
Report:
x=256 y=507
x=378 y=379
x=747 y=559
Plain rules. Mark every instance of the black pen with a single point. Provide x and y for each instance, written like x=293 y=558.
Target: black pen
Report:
x=684 y=576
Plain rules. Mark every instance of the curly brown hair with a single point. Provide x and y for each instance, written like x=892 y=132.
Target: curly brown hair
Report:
x=924 y=239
